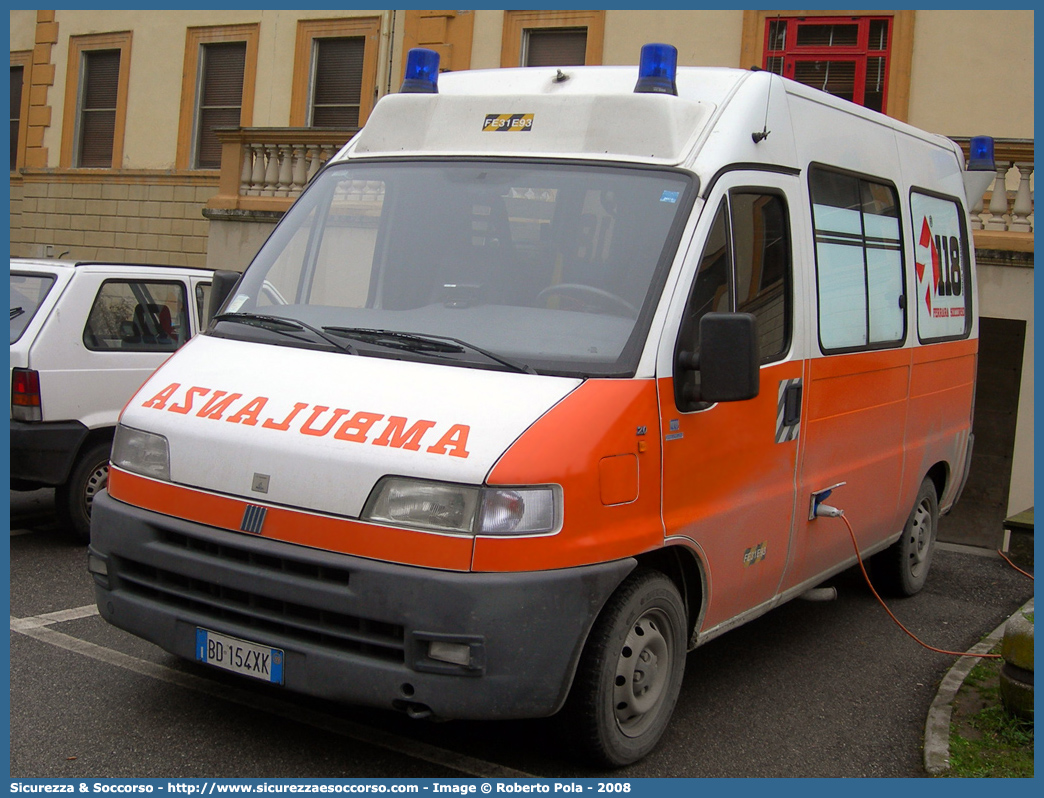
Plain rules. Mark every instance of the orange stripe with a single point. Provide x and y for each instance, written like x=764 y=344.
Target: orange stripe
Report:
x=294 y=526
x=599 y=419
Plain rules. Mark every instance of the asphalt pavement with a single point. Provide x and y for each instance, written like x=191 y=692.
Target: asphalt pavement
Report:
x=813 y=689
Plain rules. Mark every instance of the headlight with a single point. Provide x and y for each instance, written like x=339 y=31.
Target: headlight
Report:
x=141 y=453
x=464 y=509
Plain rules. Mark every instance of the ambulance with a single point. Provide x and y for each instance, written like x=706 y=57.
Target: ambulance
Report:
x=541 y=384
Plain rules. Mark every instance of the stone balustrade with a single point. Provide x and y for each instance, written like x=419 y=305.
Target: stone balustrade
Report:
x=265 y=169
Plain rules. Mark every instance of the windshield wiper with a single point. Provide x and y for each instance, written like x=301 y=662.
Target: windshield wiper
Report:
x=433 y=344
x=285 y=326
x=16 y=312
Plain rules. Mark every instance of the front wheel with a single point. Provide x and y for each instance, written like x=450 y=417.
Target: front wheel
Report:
x=901 y=569
x=630 y=672
x=74 y=499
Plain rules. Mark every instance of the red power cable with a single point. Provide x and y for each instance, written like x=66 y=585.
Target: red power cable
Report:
x=866 y=576
x=1013 y=565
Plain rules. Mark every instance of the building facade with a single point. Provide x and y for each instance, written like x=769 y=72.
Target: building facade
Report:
x=181 y=137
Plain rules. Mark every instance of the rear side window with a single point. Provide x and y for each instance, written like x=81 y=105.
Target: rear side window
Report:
x=859 y=262
x=138 y=316
x=27 y=294
x=942 y=264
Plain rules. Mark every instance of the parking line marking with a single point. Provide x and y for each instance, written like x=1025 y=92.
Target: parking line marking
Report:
x=48 y=618
x=37 y=627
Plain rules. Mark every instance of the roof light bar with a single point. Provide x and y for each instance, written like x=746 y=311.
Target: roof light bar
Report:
x=981 y=154
x=422 y=72
x=657 y=70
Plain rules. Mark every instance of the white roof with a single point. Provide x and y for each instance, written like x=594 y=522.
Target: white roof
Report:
x=60 y=265
x=551 y=111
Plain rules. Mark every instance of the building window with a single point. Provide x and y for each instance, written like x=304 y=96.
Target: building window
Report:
x=336 y=82
x=97 y=129
x=17 y=76
x=335 y=72
x=867 y=59
x=217 y=90
x=555 y=47
x=220 y=98
x=96 y=101
x=552 y=38
x=846 y=57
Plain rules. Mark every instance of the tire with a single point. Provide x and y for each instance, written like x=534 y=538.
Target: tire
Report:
x=630 y=672
x=89 y=475
x=901 y=569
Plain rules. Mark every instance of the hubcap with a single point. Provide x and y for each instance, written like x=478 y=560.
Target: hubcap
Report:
x=642 y=673
x=920 y=537
x=95 y=482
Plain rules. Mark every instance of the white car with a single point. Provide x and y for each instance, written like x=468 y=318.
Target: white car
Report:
x=84 y=337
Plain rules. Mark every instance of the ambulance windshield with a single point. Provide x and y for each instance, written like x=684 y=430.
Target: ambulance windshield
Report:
x=553 y=268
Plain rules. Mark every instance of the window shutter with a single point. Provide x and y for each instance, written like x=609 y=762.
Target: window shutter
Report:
x=873 y=92
x=101 y=79
x=16 y=112
x=337 y=82
x=846 y=57
x=556 y=47
x=816 y=35
x=833 y=77
x=221 y=98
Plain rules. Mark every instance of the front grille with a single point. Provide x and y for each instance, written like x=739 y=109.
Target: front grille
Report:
x=223 y=551
x=290 y=621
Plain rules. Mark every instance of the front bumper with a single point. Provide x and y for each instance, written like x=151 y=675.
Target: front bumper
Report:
x=43 y=452
x=353 y=630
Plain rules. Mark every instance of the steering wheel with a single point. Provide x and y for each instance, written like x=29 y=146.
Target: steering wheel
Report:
x=601 y=298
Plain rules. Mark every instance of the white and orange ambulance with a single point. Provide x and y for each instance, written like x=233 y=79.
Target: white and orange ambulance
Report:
x=539 y=384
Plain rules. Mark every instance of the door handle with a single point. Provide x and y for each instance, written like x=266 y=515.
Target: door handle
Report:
x=788 y=412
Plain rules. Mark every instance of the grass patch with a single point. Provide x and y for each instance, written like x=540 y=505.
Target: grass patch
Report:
x=985 y=741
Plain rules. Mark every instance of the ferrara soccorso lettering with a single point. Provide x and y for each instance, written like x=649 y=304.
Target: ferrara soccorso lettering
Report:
x=378 y=429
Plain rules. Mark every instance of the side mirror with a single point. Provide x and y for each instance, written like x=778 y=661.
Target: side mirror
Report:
x=727 y=364
x=223 y=285
x=729 y=359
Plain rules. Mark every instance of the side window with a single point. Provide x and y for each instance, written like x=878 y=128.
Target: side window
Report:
x=137 y=316
x=859 y=262
x=202 y=299
x=941 y=263
x=710 y=290
x=761 y=243
x=745 y=267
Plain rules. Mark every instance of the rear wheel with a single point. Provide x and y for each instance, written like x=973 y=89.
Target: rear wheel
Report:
x=74 y=499
x=902 y=569
x=630 y=672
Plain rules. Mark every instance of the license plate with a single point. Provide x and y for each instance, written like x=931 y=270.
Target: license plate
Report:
x=239 y=656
